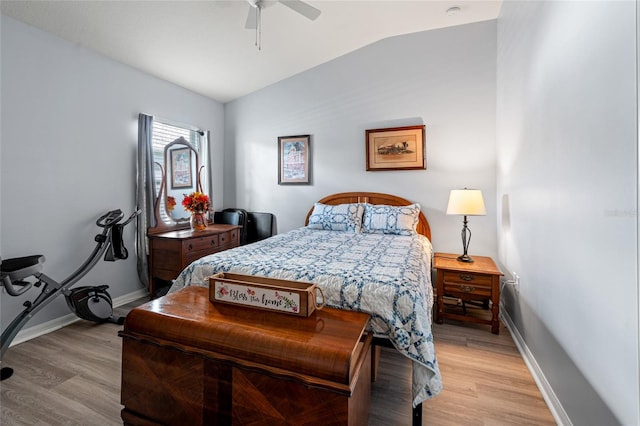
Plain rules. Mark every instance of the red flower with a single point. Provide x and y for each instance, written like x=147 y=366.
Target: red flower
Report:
x=196 y=202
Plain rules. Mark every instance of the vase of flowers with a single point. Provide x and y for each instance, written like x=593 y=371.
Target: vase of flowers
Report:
x=198 y=204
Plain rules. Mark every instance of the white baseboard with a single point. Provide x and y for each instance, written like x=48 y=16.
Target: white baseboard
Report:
x=58 y=323
x=127 y=298
x=556 y=408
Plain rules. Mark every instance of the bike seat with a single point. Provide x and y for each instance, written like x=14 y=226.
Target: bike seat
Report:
x=18 y=268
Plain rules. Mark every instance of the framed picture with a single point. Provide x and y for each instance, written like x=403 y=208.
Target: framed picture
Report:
x=396 y=148
x=294 y=154
x=181 y=168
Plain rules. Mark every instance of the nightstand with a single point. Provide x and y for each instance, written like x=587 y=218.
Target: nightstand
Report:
x=470 y=282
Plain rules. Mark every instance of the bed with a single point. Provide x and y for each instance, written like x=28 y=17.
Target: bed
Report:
x=368 y=252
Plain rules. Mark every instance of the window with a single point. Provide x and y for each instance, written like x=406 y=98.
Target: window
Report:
x=164 y=133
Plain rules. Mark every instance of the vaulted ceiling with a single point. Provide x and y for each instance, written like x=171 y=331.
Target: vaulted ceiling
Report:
x=205 y=47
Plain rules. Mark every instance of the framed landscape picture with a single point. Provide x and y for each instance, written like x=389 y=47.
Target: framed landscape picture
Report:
x=396 y=148
x=294 y=156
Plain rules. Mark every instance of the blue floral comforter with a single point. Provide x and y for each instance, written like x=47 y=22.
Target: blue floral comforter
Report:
x=386 y=276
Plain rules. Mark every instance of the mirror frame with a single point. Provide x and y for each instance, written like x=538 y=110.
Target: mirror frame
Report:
x=175 y=224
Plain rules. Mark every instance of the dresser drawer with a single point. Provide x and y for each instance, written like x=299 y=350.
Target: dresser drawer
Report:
x=229 y=238
x=192 y=245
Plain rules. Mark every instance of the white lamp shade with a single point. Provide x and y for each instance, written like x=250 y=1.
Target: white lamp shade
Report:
x=466 y=202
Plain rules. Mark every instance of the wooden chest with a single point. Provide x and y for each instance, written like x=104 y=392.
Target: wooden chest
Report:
x=186 y=361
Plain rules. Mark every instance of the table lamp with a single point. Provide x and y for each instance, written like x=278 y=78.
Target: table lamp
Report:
x=466 y=202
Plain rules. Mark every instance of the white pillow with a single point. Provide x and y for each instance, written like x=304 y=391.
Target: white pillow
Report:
x=383 y=219
x=341 y=217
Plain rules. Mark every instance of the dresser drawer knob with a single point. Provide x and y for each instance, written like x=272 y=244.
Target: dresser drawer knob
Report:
x=213 y=242
x=466 y=288
x=465 y=277
x=190 y=247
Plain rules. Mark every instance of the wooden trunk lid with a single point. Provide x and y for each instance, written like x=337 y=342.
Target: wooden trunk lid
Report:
x=320 y=346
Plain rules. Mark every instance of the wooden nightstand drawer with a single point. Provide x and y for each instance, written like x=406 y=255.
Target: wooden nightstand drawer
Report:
x=467 y=279
x=467 y=290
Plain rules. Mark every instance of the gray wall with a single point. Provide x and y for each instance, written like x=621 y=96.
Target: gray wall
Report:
x=560 y=184
x=69 y=138
x=567 y=192
x=444 y=79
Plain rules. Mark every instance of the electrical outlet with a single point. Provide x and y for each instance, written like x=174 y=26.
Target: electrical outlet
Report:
x=514 y=282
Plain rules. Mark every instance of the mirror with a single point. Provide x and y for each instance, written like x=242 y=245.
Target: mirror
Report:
x=177 y=174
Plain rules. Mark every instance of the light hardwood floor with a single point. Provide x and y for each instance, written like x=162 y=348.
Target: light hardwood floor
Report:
x=72 y=377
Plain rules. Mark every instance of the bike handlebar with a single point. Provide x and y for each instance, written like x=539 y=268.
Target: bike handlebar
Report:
x=113 y=217
x=110 y=218
x=15 y=290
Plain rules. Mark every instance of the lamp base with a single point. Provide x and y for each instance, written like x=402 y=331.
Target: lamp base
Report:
x=465 y=258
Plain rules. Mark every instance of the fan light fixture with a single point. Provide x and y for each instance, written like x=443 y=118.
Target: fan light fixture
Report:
x=254 y=18
x=466 y=202
x=257 y=5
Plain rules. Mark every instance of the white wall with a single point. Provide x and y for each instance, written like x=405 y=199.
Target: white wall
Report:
x=69 y=138
x=444 y=79
x=567 y=190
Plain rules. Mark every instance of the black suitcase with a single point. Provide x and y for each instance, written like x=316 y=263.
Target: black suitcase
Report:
x=260 y=226
x=227 y=216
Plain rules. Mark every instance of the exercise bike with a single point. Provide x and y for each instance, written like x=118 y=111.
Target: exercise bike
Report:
x=91 y=303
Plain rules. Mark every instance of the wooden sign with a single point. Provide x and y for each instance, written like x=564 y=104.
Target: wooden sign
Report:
x=291 y=297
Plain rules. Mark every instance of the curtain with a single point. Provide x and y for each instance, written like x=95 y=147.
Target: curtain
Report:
x=205 y=159
x=145 y=194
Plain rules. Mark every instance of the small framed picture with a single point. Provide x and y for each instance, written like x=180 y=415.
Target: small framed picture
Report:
x=294 y=160
x=396 y=148
x=181 y=168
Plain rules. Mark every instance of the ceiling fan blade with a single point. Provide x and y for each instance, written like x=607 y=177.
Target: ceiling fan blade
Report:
x=251 y=19
x=304 y=9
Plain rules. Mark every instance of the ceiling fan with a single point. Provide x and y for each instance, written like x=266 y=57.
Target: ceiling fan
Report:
x=254 y=19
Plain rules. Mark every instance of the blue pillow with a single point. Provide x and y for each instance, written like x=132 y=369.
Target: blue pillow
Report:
x=397 y=220
x=341 y=217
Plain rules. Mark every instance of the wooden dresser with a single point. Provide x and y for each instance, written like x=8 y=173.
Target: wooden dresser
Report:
x=478 y=281
x=171 y=252
x=187 y=361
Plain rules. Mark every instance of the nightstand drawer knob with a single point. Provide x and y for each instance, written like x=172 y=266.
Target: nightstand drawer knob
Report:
x=190 y=247
x=465 y=277
x=466 y=288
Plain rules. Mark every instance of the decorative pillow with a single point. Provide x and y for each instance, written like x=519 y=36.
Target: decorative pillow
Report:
x=383 y=219
x=341 y=217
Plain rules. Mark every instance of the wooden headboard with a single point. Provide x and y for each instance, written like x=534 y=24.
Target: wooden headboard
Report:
x=373 y=198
